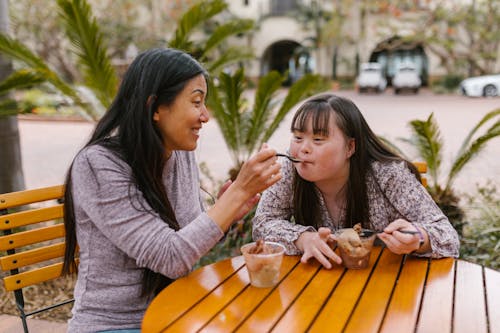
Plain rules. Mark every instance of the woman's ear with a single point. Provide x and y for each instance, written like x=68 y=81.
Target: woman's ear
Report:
x=161 y=109
x=149 y=102
x=156 y=116
x=351 y=147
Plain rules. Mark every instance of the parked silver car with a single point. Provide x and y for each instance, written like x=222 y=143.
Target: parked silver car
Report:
x=371 y=77
x=477 y=86
x=406 y=78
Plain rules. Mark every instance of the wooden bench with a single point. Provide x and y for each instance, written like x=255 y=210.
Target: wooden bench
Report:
x=32 y=244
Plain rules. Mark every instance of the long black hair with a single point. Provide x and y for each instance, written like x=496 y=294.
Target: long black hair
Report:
x=320 y=109
x=154 y=78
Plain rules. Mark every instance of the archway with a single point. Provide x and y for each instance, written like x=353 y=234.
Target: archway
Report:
x=395 y=51
x=287 y=56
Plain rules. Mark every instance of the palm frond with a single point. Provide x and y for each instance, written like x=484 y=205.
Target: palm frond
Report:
x=84 y=33
x=428 y=141
x=490 y=231
x=470 y=152
x=194 y=17
x=392 y=147
x=469 y=136
x=233 y=86
x=35 y=71
x=262 y=108
x=18 y=51
x=20 y=79
x=230 y=56
x=225 y=30
x=306 y=86
x=225 y=103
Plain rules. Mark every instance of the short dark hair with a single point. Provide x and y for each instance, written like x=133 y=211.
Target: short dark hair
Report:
x=155 y=77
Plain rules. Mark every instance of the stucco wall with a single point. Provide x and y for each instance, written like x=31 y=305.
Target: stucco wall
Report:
x=361 y=40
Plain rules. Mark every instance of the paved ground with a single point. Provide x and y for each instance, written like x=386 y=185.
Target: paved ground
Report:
x=13 y=324
x=48 y=147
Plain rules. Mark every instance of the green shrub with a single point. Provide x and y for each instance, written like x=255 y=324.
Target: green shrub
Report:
x=41 y=102
x=481 y=236
x=447 y=83
x=439 y=89
x=346 y=82
x=452 y=81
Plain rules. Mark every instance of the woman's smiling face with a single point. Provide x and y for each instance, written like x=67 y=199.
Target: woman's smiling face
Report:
x=181 y=121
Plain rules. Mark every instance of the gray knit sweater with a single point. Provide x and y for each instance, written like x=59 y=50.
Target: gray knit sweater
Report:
x=119 y=236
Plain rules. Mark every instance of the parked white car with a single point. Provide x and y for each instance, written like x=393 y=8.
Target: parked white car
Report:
x=486 y=85
x=406 y=78
x=371 y=77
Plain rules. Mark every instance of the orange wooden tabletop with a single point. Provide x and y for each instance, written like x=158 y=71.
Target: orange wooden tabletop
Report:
x=394 y=294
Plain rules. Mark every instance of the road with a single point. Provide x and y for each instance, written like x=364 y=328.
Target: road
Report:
x=48 y=147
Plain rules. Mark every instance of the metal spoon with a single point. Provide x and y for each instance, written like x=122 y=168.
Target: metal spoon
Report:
x=366 y=233
x=410 y=232
x=293 y=159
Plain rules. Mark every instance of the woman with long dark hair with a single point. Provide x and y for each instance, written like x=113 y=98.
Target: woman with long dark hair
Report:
x=132 y=200
x=348 y=176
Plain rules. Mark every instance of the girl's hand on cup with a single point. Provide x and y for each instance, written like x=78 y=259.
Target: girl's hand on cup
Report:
x=317 y=245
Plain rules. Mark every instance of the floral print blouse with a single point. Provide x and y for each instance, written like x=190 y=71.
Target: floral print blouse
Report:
x=393 y=192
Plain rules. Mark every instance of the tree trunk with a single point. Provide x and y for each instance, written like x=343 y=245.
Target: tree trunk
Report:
x=11 y=171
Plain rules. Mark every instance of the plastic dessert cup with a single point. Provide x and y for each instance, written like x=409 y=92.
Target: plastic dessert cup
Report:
x=264 y=269
x=357 y=257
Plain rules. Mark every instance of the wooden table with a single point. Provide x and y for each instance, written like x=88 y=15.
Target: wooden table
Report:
x=395 y=294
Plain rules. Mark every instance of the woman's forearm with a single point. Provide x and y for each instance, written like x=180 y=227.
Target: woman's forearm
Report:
x=228 y=206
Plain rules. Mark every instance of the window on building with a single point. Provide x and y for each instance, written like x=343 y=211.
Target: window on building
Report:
x=281 y=7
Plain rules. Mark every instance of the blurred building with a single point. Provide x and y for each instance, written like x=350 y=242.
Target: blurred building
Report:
x=295 y=36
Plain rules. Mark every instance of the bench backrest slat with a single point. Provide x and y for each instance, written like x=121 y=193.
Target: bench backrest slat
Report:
x=36 y=215
x=29 y=237
x=422 y=168
x=32 y=277
x=14 y=199
x=31 y=257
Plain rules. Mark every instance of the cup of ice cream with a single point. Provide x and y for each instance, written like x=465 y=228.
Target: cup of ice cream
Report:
x=355 y=245
x=263 y=261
